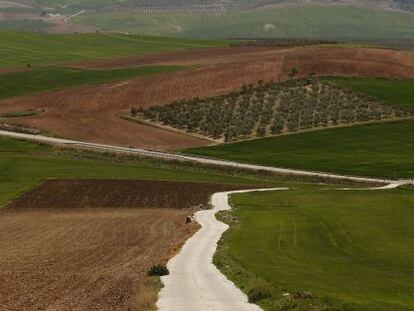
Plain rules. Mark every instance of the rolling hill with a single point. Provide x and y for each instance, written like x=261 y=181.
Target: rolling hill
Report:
x=322 y=19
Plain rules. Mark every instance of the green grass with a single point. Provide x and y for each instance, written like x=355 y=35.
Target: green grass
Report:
x=24 y=164
x=302 y=21
x=19 y=48
x=52 y=78
x=20 y=114
x=385 y=150
x=397 y=92
x=350 y=248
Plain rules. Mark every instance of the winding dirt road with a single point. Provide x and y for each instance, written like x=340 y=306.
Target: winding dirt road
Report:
x=194 y=282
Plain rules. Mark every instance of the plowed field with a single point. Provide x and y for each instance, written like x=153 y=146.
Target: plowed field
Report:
x=58 y=253
x=91 y=113
x=55 y=193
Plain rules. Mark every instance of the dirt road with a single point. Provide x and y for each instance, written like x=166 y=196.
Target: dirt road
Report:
x=194 y=282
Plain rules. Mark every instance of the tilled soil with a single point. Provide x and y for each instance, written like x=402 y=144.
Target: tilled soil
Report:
x=88 y=244
x=92 y=113
x=90 y=193
x=83 y=259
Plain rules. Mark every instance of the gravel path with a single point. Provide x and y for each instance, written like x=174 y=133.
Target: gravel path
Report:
x=194 y=282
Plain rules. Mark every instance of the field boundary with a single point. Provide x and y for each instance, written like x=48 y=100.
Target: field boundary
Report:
x=201 y=160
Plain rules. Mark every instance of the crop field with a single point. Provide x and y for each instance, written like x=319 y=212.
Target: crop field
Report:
x=52 y=78
x=372 y=150
x=384 y=150
x=269 y=109
x=82 y=259
x=91 y=113
x=96 y=193
x=352 y=250
x=397 y=92
x=23 y=165
x=17 y=49
x=301 y=21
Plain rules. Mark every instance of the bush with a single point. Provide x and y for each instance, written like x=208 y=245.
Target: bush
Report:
x=258 y=293
x=158 y=270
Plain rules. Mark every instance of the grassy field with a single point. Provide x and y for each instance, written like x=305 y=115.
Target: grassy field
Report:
x=302 y=21
x=397 y=92
x=351 y=249
x=371 y=150
x=52 y=78
x=24 y=164
x=19 y=49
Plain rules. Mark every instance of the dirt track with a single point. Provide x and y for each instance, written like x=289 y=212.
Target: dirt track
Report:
x=90 y=113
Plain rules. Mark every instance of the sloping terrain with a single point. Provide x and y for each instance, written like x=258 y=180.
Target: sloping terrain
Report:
x=91 y=113
x=65 y=259
x=331 y=22
x=314 y=249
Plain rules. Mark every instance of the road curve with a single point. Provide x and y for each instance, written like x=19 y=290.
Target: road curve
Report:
x=194 y=283
x=195 y=159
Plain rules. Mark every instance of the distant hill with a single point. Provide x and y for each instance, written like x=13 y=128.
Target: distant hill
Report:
x=373 y=20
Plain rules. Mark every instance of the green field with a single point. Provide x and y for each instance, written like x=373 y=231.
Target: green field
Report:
x=24 y=164
x=352 y=249
x=19 y=48
x=52 y=78
x=384 y=150
x=301 y=21
x=372 y=150
x=397 y=92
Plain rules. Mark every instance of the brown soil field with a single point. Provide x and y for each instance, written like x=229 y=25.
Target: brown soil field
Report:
x=59 y=253
x=93 y=193
x=91 y=113
x=84 y=259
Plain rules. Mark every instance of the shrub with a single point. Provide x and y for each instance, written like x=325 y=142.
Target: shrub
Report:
x=158 y=270
x=259 y=293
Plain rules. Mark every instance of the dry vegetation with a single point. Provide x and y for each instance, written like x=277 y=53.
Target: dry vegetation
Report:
x=270 y=109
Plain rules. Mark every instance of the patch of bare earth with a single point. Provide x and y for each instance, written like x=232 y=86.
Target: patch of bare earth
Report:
x=91 y=113
x=88 y=244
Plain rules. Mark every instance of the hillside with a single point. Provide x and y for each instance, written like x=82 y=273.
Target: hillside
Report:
x=323 y=19
x=20 y=49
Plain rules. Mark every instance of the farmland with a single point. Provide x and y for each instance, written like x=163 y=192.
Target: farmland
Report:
x=300 y=21
x=269 y=109
x=17 y=49
x=96 y=193
x=23 y=165
x=52 y=78
x=92 y=259
x=351 y=249
x=397 y=92
x=383 y=150
x=370 y=150
x=91 y=113
x=81 y=259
